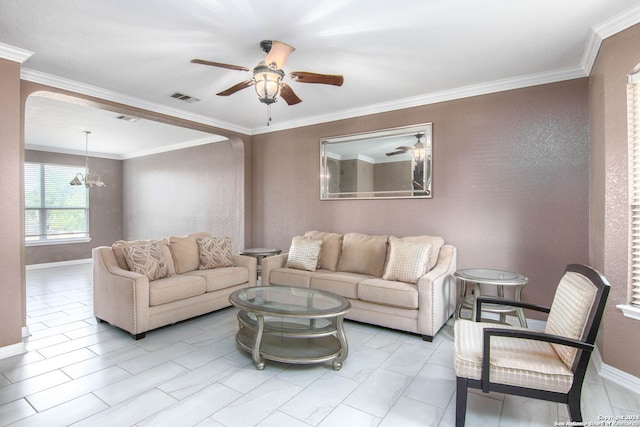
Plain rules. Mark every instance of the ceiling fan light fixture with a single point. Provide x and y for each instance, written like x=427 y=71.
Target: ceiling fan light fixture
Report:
x=418 y=149
x=268 y=83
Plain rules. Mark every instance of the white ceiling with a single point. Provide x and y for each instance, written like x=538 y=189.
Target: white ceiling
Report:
x=393 y=54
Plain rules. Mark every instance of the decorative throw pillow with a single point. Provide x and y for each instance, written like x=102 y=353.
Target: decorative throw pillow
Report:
x=146 y=259
x=304 y=253
x=215 y=252
x=407 y=261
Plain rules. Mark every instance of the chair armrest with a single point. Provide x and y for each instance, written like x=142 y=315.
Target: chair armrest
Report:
x=269 y=263
x=502 y=301
x=521 y=334
x=250 y=263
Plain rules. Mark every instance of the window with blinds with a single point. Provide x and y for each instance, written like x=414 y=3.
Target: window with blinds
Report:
x=634 y=157
x=54 y=211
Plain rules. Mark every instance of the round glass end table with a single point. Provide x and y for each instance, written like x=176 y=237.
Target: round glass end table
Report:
x=259 y=254
x=291 y=325
x=476 y=277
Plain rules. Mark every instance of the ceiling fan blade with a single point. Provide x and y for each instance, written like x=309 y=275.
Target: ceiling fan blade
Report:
x=393 y=153
x=399 y=150
x=221 y=65
x=289 y=96
x=327 y=79
x=235 y=88
x=278 y=54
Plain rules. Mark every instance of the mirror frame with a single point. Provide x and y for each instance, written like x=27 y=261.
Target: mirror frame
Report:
x=377 y=137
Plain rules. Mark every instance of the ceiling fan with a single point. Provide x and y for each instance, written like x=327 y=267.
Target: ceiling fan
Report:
x=417 y=149
x=267 y=76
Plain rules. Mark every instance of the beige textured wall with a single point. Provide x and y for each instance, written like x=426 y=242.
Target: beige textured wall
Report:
x=105 y=209
x=510 y=182
x=619 y=55
x=181 y=192
x=12 y=299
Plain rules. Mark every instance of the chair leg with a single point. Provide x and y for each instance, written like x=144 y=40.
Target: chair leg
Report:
x=575 y=410
x=461 y=401
x=427 y=338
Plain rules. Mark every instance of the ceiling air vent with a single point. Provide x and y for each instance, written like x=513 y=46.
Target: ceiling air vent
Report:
x=183 y=97
x=127 y=118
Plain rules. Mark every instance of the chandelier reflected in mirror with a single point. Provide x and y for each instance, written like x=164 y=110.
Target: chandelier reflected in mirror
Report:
x=89 y=180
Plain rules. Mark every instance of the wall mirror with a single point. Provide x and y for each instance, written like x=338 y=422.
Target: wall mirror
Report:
x=390 y=163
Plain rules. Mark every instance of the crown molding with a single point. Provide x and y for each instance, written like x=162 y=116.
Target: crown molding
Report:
x=95 y=91
x=606 y=29
x=13 y=53
x=73 y=152
x=179 y=146
x=618 y=22
x=432 y=98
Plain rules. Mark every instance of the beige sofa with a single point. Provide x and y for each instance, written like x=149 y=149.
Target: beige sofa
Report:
x=173 y=279
x=389 y=281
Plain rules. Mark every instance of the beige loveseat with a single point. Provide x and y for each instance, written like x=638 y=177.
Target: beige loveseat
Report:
x=400 y=283
x=173 y=279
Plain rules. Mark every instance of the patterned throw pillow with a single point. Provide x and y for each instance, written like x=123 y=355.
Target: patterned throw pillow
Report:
x=407 y=261
x=146 y=259
x=304 y=253
x=215 y=252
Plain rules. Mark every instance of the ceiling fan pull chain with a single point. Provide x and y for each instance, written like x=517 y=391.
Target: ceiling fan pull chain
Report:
x=268 y=114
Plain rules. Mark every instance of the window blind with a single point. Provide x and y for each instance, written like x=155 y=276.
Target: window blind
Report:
x=634 y=156
x=53 y=208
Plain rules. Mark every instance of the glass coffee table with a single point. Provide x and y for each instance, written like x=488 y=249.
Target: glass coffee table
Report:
x=291 y=325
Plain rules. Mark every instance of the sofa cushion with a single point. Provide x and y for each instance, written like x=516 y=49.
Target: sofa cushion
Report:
x=330 y=250
x=185 y=253
x=387 y=292
x=221 y=278
x=362 y=253
x=215 y=252
x=291 y=277
x=175 y=288
x=436 y=244
x=407 y=261
x=341 y=283
x=146 y=259
x=304 y=253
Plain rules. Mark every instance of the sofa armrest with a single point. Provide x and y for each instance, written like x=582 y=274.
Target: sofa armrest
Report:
x=250 y=263
x=120 y=297
x=271 y=262
x=437 y=292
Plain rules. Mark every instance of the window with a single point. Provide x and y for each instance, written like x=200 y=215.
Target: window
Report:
x=632 y=309
x=54 y=211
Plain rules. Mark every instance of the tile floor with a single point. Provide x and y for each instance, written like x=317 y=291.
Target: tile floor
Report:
x=77 y=372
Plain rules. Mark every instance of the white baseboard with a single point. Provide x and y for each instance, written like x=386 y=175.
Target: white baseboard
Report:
x=58 y=264
x=12 y=350
x=615 y=375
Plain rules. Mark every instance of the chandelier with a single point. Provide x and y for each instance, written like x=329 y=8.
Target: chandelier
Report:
x=88 y=180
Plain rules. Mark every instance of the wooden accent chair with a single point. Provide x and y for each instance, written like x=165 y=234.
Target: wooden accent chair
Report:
x=549 y=365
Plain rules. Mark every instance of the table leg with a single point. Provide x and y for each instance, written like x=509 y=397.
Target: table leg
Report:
x=519 y=310
x=344 y=347
x=500 y=292
x=463 y=293
x=255 y=351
